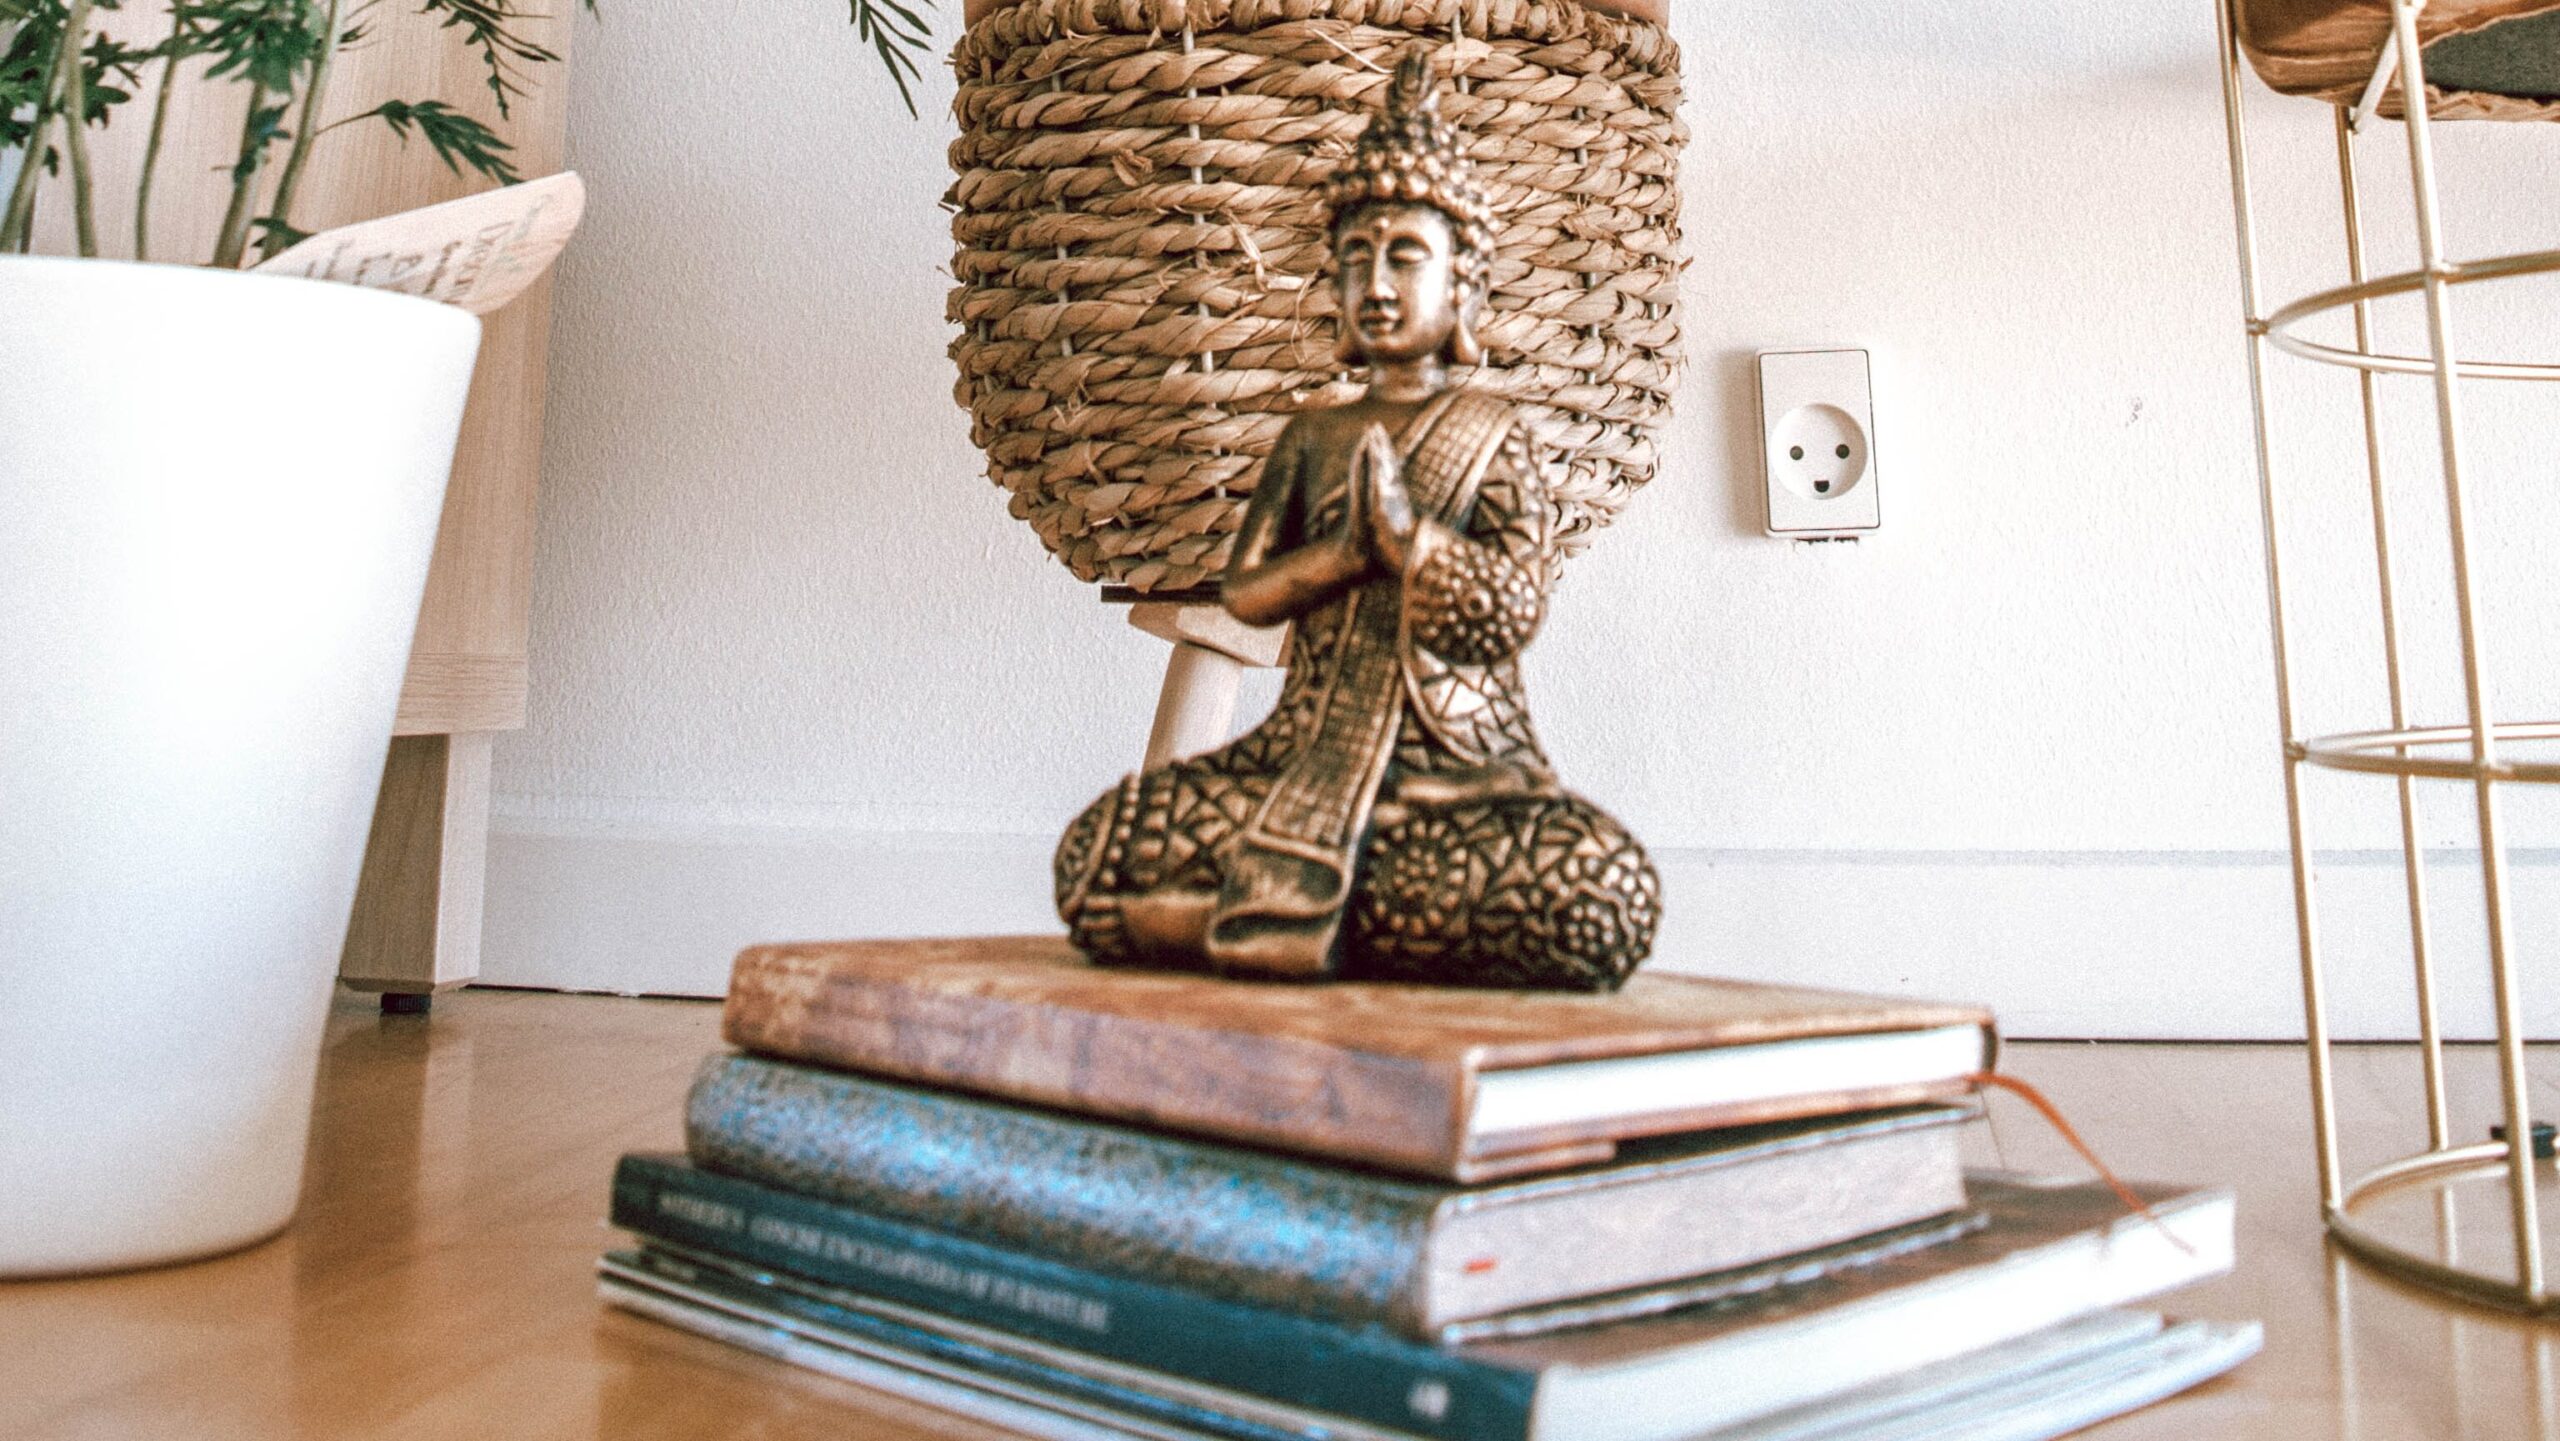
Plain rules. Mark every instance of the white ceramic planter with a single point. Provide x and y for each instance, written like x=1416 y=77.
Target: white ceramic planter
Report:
x=218 y=496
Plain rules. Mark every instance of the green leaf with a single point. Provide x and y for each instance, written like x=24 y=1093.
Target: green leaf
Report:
x=486 y=26
x=265 y=127
x=458 y=140
x=109 y=69
x=273 y=230
x=26 y=64
x=269 y=43
x=183 y=38
x=897 y=35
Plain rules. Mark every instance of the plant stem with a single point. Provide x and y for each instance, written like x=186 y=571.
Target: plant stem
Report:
x=21 y=200
x=17 y=223
x=159 y=129
x=234 y=237
x=303 y=134
x=75 y=128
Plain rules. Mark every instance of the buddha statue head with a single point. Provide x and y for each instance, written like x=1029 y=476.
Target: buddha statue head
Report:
x=1412 y=233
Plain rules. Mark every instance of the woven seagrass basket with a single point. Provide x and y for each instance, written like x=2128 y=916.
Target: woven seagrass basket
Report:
x=1143 y=276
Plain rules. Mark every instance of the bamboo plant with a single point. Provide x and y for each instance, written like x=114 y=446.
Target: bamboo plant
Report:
x=60 y=78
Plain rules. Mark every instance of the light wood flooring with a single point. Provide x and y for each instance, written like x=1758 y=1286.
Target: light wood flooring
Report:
x=438 y=1283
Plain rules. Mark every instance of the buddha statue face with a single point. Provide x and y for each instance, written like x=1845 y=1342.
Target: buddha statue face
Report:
x=1397 y=281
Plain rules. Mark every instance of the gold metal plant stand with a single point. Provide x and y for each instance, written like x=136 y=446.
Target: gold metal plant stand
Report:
x=2467 y=752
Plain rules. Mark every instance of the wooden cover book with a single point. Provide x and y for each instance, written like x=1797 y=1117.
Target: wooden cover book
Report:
x=1463 y=1085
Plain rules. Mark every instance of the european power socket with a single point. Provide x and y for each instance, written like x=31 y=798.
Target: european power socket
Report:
x=1817 y=426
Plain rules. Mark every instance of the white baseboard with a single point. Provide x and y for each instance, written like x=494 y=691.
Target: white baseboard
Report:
x=2108 y=945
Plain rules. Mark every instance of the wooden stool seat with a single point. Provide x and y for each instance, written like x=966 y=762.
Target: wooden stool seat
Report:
x=2484 y=59
x=1196 y=709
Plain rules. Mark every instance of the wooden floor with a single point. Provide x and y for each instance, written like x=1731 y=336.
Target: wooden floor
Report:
x=439 y=1285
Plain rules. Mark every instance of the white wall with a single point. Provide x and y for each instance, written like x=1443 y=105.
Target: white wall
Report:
x=796 y=672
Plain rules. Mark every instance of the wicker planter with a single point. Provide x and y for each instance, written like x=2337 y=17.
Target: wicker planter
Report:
x=1142 y=268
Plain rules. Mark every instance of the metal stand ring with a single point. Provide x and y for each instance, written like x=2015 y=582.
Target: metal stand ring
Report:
x=2441 y=1170
x=2386 y=753
x=2279 y=326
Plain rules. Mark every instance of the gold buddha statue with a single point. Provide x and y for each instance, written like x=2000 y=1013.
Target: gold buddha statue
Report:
x=1393 y=818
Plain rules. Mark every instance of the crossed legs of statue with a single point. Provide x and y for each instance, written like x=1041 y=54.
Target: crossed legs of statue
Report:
x=1534 y=888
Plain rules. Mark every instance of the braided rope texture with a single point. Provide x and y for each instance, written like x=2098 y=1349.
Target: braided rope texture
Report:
x=1143 y=276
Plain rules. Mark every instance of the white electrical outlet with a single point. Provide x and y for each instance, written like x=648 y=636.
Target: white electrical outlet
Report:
x=1818 y=444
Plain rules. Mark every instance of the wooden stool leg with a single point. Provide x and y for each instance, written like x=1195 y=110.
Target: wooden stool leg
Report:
x=416 y=927
x=1196 y=710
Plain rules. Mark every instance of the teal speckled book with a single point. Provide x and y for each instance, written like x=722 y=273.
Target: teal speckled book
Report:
x=1353 y=1247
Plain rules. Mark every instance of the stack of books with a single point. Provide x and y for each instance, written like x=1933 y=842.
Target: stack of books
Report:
x=1092 y=1203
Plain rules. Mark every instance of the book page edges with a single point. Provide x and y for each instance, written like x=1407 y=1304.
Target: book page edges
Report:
x=1496 y=1151
x=1960 y=1300
x=1705 y=1214
x=1486 y=1148
x=1512 y=1165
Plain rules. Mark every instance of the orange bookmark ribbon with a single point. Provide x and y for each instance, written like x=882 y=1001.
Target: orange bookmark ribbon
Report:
x=2053 y=1117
